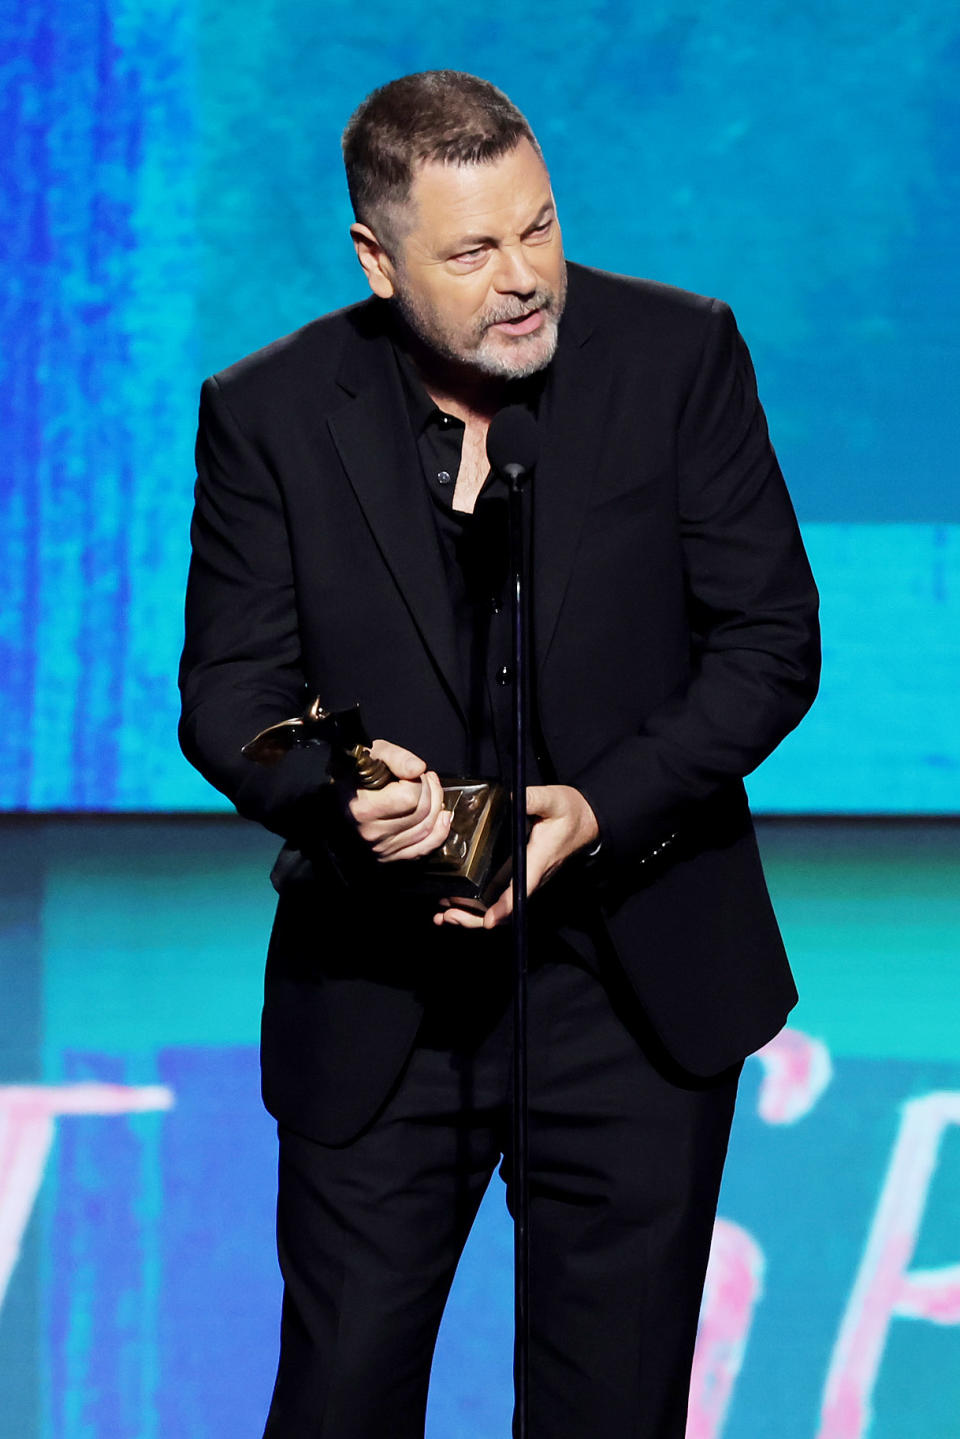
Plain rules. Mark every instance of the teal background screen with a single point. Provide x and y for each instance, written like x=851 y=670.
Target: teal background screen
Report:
x=145 y=1301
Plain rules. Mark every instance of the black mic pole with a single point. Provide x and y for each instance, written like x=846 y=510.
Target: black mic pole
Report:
x=512 y=449
x=521 y=1234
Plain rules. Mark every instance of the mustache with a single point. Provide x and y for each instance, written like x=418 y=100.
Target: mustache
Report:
x=543 y=300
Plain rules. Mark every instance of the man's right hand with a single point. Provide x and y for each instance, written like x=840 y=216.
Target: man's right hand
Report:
x=405 y=819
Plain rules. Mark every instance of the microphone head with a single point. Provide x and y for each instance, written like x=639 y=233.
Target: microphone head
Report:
x=513 y=441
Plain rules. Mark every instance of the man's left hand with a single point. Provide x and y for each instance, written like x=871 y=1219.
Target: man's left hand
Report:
x=563 y=824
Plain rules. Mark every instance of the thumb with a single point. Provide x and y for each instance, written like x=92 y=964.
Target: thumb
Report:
x=401 y=762
x=539 y=800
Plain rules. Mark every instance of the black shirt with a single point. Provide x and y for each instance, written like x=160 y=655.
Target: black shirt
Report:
x=475 y=549
x=475 y=554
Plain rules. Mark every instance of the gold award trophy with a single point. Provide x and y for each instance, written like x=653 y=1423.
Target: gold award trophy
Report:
x=473 y=863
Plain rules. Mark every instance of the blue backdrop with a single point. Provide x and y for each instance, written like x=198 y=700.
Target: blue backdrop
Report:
x=172 y=197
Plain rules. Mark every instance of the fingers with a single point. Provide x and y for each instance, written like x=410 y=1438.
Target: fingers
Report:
x=395 y=803
x=404 y=820
x=379 y=814
x=427 y=831
x=545 y=853
x=501 y=910
x=388 y=836
x=458 y=918
x=564 y=824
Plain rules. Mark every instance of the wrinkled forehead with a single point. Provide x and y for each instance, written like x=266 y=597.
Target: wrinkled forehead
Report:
x=493 y=199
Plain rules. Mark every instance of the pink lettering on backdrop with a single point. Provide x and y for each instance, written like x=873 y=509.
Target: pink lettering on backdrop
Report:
x=27 y=1116
x=734 y=1284
x=884 y=1286
x=796 y=1071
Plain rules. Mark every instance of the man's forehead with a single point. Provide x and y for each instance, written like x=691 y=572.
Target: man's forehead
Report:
x=451 y=198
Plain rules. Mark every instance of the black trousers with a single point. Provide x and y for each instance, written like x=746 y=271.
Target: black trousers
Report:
x=626 y=1155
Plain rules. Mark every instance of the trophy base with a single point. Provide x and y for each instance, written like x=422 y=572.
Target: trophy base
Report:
x=473 y=865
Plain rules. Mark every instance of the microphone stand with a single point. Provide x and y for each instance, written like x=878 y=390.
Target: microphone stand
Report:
x=521 y=1237
x=512 y=448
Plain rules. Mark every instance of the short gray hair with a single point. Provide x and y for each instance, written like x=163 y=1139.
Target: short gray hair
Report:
x=445 y=116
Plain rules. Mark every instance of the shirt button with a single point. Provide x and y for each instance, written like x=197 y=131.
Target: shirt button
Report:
x=443 y=477
x=446 y=420
x=505 y=675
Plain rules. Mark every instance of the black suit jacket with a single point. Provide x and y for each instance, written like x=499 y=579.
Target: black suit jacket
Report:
x=675 y=643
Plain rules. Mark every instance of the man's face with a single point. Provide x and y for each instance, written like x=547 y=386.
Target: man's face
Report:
x=479 y=273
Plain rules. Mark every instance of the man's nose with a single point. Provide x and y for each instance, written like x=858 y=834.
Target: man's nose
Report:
x=514 y=274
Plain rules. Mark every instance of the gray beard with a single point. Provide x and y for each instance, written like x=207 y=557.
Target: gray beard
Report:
x=495 y=364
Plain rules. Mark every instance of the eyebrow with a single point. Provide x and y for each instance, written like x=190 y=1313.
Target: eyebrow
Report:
x=470 y=242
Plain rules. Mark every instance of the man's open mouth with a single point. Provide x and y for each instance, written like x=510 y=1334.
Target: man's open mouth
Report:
x=523 y=324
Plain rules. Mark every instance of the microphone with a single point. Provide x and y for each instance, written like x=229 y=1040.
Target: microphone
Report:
x=513 y=442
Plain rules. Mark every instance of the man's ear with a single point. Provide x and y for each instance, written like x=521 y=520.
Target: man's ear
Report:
x=377 y=265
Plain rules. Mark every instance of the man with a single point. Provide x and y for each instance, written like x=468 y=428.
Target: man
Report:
x=348 y=544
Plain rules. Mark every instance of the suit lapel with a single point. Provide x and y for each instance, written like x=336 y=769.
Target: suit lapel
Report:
x=373 y=437
x=375 y=442
x=569 y=441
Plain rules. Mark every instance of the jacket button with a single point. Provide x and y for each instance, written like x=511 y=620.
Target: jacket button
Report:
x=505 y=675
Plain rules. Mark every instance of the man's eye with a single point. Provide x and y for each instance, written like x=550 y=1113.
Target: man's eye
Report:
x=470 y=254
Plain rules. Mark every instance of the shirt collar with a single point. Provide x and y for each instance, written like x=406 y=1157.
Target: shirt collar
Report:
x=421 y=407
x=424 y=411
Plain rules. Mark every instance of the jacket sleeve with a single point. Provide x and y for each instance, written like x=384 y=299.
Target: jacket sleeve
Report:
x=752 y=607
x=241 y=665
